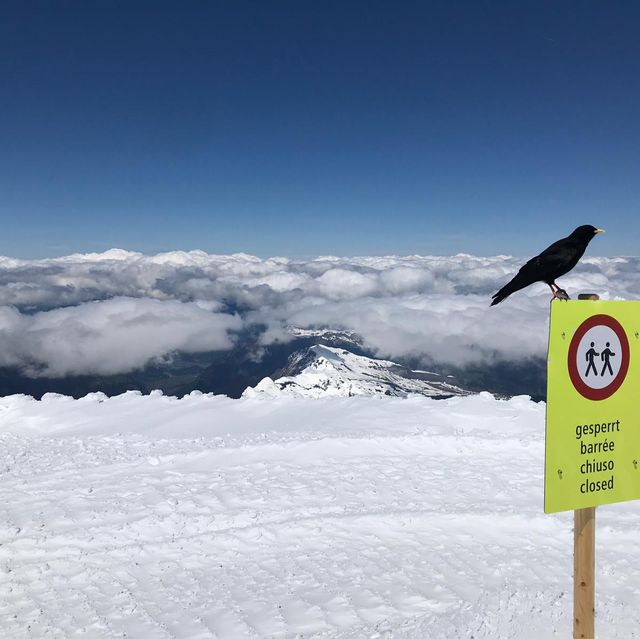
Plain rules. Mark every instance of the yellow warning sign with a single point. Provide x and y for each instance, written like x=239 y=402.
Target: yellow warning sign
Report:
x=592 y=445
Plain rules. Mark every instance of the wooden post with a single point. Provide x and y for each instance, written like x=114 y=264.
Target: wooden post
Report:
x=584 y=561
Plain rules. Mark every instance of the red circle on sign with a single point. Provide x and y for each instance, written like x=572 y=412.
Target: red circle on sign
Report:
x=585 y=390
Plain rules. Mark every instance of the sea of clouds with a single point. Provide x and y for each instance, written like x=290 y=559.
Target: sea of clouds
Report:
x=116 y=311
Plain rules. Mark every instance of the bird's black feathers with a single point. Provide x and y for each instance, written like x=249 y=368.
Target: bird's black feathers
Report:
x=553 y=262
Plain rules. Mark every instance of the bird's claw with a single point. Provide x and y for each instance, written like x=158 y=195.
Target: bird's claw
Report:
x=561 y=294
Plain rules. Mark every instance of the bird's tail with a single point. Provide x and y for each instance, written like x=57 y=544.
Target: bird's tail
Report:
x=504 y=292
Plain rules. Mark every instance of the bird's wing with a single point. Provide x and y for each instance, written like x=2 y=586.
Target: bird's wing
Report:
x=554 y=261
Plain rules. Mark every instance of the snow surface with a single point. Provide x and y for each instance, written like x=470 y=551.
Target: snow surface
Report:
x=156 y=517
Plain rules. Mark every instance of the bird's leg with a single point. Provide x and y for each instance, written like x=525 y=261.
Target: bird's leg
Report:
x=558 y=293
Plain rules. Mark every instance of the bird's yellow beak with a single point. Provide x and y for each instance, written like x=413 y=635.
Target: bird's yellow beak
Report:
x=599 y=231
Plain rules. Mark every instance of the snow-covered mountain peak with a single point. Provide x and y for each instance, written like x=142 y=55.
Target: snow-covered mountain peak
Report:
x=324 y=370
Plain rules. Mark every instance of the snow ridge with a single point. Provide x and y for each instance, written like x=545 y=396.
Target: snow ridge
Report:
x=327 y=371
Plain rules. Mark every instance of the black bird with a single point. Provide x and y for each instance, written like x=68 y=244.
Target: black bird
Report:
x=554 y=261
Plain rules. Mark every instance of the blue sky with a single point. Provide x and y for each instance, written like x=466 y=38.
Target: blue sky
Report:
x=305 y=128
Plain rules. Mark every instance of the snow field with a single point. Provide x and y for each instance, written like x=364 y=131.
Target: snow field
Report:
x=201 y=517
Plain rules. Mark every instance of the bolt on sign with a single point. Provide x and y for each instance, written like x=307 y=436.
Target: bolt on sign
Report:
x=592 y=445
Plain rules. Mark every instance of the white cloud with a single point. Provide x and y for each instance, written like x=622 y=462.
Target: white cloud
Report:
x=111 y=336
x=341 y=283
x=452 y=329
x=113 y=311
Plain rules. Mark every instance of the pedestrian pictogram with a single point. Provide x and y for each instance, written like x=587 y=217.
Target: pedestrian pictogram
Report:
x=598 y=358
